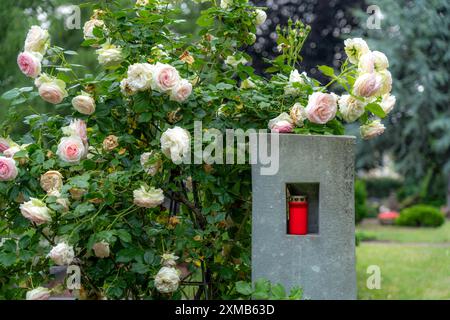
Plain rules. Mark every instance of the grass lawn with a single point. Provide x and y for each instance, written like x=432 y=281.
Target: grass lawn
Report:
x=407 y=271
x=405 y=234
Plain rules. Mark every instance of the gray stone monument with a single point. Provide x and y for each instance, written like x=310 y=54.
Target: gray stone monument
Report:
x=322 y=262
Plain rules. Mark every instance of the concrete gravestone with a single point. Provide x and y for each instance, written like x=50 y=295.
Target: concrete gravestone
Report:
x=322 y=262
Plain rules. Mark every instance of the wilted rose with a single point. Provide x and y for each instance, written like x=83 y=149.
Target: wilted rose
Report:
x=51 y=180
x=110 y=143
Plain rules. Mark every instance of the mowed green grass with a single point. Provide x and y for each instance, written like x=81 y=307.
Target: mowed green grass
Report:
x=407 y=271
x=406 y=234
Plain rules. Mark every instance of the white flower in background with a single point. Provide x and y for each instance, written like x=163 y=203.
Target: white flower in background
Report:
x=101 y=249
x=140 y=77
x=51 y=89
x=351 y=108
x=125 y=87
x=62 y=254
x=109 y=55
x=167 y=280
x=225 y=4
x=37 y=40
x=84 y=104
x=372 y=129
x=281 y=124
x=71 y=149
x=355 y=48
x=40 y=293
x=248 y=84
x=78 y=128
x=181 y=91
x=30 y=63
x=232 y=61
x=294 y=77
x=88 y=29
x=142 y=2
x=322 y=107
x=388 y=103
x=176 y=143
x=36 y=211
x=386 y=82
x=298 y=114
x=373 y=61
x=169 y=260
x=367 y=85
x=51 y=180
x=261 y=17
x=165 y=77
x=148 y=197
x=8 y=169
x=153 y=167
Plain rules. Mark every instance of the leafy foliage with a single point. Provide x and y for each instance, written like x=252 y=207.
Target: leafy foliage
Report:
x=421 y=216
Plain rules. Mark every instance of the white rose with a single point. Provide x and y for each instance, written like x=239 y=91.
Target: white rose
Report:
x=225 y=4
x=140 y=77
x=388 y=103
x=232 y=61
x=298 y=114
x=165 y=77
x=367 y=85
x=294 y=77
x=372 y=129
x=125 y=87
x=169 y=260
x=101 y=249
x=71 y=149
x=40 y=293
x=62 y=254
x=109 y=55
x=88 y=29
x=261 y=17
x=37 y=40
x=142 y=2
x=355 y=48
x=167 y=280
x=36 y=211
x=181 y=91
x=373 y=61
x=281 y=124
x=148 y=197
x=351 y=108
x=386 y=82
x=84 y=104
x=176 y=143
x=248 y=84
x=153 y=167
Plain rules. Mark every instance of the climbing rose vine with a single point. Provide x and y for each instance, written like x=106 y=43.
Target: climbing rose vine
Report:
x=98 y=183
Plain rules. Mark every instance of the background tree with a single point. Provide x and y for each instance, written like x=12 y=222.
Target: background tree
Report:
x=415 y=35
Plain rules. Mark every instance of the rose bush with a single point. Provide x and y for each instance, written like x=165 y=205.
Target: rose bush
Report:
x=105 y=189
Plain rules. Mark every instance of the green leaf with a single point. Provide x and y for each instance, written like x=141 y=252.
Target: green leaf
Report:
x=124 y=235
x=11 y=94
x=296 y=293
x=7 y=259
x=328 y=71
x=205 y=20
x=83 y=209
x=244 y=288
x=376 y=109
x=278 y=291
x=149 y=257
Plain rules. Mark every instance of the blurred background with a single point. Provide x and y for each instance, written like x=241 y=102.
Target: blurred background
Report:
x=403 y=188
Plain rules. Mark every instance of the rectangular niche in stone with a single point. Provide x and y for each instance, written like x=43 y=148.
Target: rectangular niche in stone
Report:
x=322 y=262
x=311 y=191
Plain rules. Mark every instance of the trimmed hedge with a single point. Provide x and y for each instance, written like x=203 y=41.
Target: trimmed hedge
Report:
x=421 y=216
x=360 y=200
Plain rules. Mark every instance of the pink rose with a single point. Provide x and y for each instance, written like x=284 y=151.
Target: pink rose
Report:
x=4 y=145
x=78 y=128
x=8 y=169
x=282 y=124
x=51 y=89
x=372 y=129
x=181 y=91
x=84 y=104
x=71 y=149
x=367 y=85
x=321 y=107
x=165 y=77
x=30 y=64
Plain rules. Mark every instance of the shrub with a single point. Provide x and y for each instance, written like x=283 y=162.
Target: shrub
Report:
x=421 y=216
x=360 y=200
x=381 y=187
